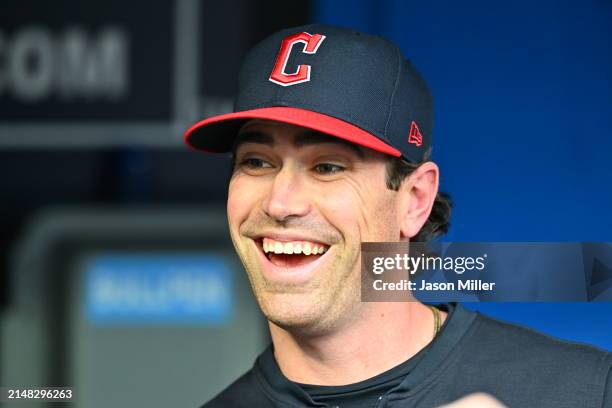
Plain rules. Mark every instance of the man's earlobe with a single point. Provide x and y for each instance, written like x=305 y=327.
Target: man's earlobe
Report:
x=417 y=196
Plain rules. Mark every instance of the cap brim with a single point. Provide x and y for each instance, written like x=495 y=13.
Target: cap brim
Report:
x=217 y=134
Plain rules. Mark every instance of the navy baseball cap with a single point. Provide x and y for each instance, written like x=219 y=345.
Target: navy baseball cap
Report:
x=346 y=84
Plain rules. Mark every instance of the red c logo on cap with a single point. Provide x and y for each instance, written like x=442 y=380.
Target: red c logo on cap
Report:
x=311 y=45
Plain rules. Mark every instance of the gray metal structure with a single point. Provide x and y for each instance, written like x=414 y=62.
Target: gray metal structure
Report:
x=47 y=340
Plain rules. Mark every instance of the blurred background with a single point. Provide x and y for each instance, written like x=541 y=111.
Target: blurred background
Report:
x=117 y=276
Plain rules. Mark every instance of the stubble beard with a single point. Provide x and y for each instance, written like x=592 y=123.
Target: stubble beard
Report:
x=319 y=307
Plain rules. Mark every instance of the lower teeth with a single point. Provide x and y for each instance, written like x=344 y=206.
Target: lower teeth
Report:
x=286 y=260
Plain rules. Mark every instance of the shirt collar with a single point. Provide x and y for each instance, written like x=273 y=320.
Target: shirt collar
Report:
x=286 y=393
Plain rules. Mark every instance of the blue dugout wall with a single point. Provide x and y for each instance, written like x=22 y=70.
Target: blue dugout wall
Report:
x=523 y=129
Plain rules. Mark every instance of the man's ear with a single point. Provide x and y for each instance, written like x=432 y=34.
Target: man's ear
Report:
x=417 y=195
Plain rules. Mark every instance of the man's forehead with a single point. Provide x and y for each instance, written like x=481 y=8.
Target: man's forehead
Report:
x=268 y=132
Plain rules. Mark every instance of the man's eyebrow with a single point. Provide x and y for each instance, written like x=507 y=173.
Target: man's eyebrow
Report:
x=253 y=137
x=306 y=138
x=312 y=137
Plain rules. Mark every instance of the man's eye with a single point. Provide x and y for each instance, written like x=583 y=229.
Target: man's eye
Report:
x=254 y=163
x=328 y=168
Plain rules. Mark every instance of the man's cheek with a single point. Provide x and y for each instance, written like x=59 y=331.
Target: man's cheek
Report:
x=345 y=218
x=237 y=205
x=234 y=220
x=348 y=210
x=352 y=207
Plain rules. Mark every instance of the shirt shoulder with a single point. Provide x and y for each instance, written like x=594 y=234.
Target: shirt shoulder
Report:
x=525 y=343
x=608 y=391
x=528 y=360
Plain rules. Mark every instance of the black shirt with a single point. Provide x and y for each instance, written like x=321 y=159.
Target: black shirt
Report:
x=472 y=353
x=365 y=394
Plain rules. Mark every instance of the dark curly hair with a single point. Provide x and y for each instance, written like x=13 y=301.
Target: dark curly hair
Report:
x=439 y=220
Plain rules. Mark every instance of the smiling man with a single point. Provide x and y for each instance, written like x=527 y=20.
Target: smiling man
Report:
x=300 y=204
x=331 y=139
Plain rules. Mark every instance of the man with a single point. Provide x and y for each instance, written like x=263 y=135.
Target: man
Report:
x=331 y=137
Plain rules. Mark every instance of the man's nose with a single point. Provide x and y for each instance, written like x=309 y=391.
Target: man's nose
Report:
x=287 y=195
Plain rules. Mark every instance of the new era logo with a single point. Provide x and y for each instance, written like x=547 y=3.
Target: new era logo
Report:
x=415 y=137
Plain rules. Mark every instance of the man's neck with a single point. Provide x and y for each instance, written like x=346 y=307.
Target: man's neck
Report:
x=384 y=336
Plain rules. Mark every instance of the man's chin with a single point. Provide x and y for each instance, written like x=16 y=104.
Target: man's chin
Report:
x=301 y=326
x=293 y=312
x=307 y=317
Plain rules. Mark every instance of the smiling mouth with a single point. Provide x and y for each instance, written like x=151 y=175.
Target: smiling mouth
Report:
x=291 y=254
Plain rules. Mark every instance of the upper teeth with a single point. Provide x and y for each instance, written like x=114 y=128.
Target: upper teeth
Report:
x=293 y=247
